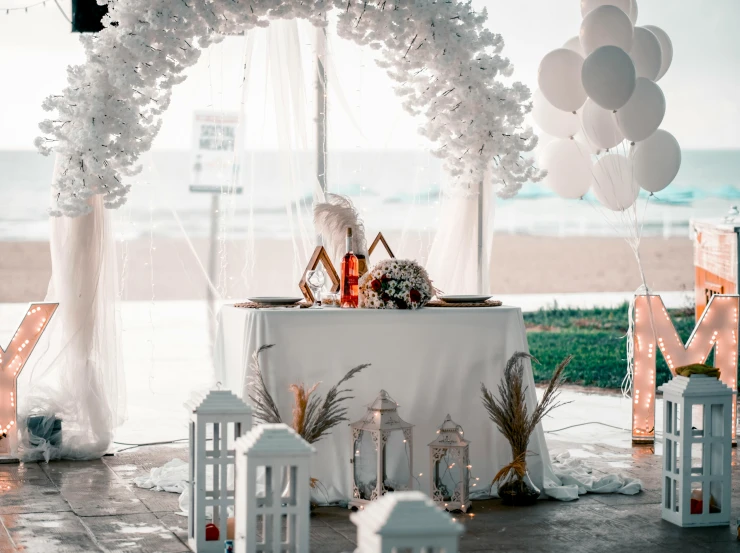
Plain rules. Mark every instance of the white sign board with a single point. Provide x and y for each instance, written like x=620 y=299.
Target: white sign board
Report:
x=215 y=163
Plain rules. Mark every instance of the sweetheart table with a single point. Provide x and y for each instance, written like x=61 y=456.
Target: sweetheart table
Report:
x=431 y=361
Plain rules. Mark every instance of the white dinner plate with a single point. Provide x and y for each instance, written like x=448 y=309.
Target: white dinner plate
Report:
x=272 y=300
x=464 y=299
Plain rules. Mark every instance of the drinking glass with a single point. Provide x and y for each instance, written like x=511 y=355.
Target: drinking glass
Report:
x=316 y=280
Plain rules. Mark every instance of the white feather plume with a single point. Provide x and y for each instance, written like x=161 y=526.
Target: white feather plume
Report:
x=332 y=218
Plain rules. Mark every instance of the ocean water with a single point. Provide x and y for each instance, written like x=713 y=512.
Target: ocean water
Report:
x=394 y=190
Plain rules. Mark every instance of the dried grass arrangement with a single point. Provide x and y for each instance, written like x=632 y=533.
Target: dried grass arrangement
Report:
x=313 y=416
x=510 y=414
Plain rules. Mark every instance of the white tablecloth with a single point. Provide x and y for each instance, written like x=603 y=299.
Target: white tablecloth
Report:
x=431 y=361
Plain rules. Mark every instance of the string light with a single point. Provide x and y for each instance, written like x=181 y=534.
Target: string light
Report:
x=25 y=8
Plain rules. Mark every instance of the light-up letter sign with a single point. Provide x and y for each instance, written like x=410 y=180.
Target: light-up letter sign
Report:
x=12 y=361
x=717 y=329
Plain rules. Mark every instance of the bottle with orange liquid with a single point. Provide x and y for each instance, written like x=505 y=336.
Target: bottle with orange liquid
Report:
x=350 y=276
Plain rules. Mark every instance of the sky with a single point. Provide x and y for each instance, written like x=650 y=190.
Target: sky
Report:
x=702 y=87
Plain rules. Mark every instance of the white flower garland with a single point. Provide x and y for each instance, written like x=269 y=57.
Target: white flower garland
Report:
x=395 y=284
x=443 y=59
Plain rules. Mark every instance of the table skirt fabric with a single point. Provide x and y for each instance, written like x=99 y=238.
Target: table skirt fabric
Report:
x=431 y=361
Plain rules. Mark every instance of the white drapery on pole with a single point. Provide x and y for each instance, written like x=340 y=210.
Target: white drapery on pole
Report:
x=460 y=256
x=76 y=375
x=321 y=106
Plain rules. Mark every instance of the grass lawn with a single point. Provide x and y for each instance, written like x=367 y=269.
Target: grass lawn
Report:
x=597 y=340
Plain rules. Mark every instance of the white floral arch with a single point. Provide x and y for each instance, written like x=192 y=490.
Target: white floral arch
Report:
x=443 y=59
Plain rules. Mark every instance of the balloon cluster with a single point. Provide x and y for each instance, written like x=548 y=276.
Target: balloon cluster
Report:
x=597 y=93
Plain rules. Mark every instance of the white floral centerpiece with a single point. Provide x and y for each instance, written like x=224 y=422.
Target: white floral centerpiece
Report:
x=395 y=284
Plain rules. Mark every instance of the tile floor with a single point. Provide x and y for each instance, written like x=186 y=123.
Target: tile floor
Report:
x=71 y=507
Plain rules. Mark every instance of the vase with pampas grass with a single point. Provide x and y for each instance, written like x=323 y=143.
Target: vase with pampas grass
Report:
x=313 y=417
x=510 y=414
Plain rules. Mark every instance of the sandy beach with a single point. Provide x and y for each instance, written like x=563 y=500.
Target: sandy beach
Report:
x=520 y=265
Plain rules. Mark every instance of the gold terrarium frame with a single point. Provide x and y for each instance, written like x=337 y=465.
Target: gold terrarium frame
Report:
x=319 y=256
x=380 y=239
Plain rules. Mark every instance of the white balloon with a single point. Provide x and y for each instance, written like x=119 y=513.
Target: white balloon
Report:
x=633 y=12
x=666 y=49
x=609 y=77
x=627 y=6
x=657 y=161
x=552 y=120
x=613 y=184
x=583 y=140
x=643 y=114
x=646 y=54
x=600 y=126
x=606 y=26
x=568 y=166
x=559 y=77
x=575 y=45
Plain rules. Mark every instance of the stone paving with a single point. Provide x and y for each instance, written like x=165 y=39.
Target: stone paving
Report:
x=71 y=507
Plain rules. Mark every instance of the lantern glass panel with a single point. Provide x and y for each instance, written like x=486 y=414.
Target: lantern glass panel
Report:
x=669 y=417
x=718 y=420
x=397 y=459
x=716 y=459
x=677 y=419
x=260 y=539
x=264 y=486
x=289 y=489
x=212 y=435
x=668 y=488
x=697 y=420
x=697 y=498
x=365 y=465
x=715 y=497
x=448 y=475
x=677 y=457
x=231 y=435
x=668 y=456
x=697 y=458
x=284 y=528
x=676 y=495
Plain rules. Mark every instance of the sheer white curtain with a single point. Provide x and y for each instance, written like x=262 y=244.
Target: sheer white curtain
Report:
x=454 y=256
x=75 y=374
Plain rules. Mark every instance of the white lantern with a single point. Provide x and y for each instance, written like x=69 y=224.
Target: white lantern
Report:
x=697 y=451
x=406 y=522
x=273 y=499
x=216 y=421
x=382 y=452
x=449 y=474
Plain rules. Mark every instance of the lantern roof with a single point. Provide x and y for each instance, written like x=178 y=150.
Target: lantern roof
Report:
x=271 y=440
x=382 y=414
x=695 y=385
x=218 y=402
x=450 y=434
x=402 y=514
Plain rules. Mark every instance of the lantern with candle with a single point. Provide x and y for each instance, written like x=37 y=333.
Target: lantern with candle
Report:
x=216 y=421
x=449 y=459
x=382 y=452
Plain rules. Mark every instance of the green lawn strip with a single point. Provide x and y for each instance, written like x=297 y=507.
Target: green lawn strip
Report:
x=597 y=340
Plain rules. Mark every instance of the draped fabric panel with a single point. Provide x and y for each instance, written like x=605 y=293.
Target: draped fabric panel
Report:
x=76 y=372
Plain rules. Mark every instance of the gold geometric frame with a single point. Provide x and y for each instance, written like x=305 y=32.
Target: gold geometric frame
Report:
x=380 y=239
x=319 y=256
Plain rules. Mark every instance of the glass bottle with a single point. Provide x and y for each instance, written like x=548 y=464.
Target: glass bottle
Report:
x=350 y=276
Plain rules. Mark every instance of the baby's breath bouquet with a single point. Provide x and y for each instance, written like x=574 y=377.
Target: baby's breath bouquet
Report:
x=395 y=284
